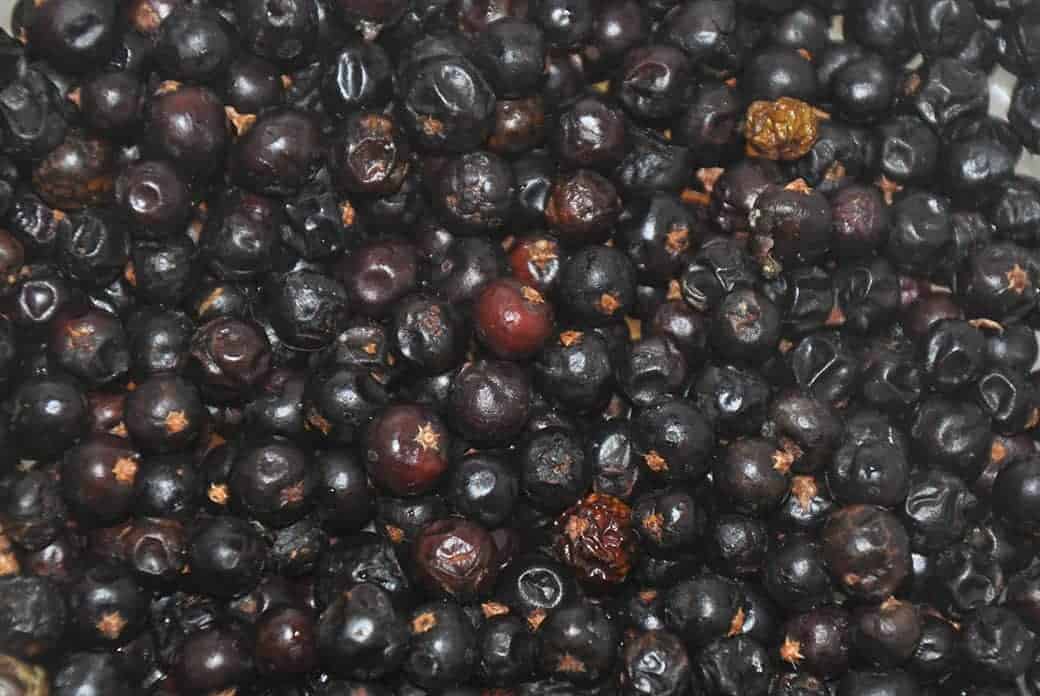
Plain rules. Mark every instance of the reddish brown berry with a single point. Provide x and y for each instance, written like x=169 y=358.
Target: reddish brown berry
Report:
x=595 y=537
x=406 y=449
x=456 y=557
x=513 y=320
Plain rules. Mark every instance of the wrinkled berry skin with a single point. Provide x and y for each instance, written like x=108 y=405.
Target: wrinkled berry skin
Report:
x=595 y=537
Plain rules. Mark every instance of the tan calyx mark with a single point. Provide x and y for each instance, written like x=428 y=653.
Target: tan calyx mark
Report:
x=674 y=290
x=531 y=295
x=424 y=622
x=575 y=527
x=654 y=524
x=370 y=348
x=119 y=430
x=9 y=564
x=888 y=188
x=648 y=595
x=79 y=330
x=678 y=238
x=569 y=663
x=655 y=462
x=804 y=53
x=239 y=121
x=287 y=81
x=176 y=422
x=395 y=534
x=737 y=624
x=316 y=420
x=695 y=197
x=800 y=185
x=535 y=619
x=890 y=603
x=130 y=274
x=168 y=86
x=230 y=691
x=912 y=84
x=1034 y=419
x=708 y=176
x=835 y=172
x=1018 y=279
x=431 y=126
x=782 y=461
x=602 y=87
x=635 y=328
x=804 y=489
x=428 y=438
x=836 y=317
x=125 y=470
x=346 y=213
x=542 y=253
x=218 y=493
x=74 y=96
x=608 y=303
x=210 y=300
x=293 y=494
x=491 y=609
x=110 y=625
x=997 y=451
x=570 y=338
x=987 y=325
x=791 y=651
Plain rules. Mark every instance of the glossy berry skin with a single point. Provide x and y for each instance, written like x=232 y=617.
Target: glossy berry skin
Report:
x=106 y=606
x=997 y=643
x=406 y=449
x=443 y=648
x=37 y=617
x=227 y=556
x=746 y=326
x=510 y=52
x=164 y=414
x=513 y=320
x=447 y=104
x=280 y=153
x=579 y=644
x=795 y=574
x=154 y=197
x=817 y=641
x=1014 y=493
x=682 y=454
x=361 y=635
x=427 y=334
x=574 y=368
x=597 y=286
x=553 y=472
x=656 y=662
x=379 y=275
x=187 y=126
x=75 y=36
x=194 y=44
x=273 y=482
x=484 y=488
x=490 y=401
x=98 y=477
x=214 y=658
x=582 y=207
x=456 y=558
x=359 y=76
x=48 y=414
x=90 y=672
x=371 y=155
x=308 y=309
x=703 y=608
x=508 y=650
x=867 y=550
